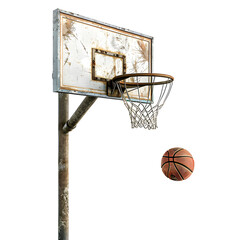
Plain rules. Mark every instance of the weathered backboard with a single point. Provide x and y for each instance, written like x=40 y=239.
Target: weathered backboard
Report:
x=87 y=53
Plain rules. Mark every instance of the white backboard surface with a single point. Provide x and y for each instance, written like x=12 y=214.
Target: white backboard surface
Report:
x=87 y=53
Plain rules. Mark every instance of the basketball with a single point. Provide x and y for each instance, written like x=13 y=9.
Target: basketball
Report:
x=177 y=164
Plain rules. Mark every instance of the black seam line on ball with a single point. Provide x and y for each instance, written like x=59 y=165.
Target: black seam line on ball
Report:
x=175 y=164
x=178 y=164
x=177 y=152
x=178 y=156
x=168 y=166
x=184 y=166
x=178 y=170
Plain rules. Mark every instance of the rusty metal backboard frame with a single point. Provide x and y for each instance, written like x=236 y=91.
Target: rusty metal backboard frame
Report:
x=58 y=85
x=115 y=56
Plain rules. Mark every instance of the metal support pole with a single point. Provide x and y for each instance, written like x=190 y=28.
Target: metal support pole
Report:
x=63 y=222
x=79 y=113
x=64 y=126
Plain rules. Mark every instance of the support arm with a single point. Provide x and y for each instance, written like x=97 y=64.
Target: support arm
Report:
x=79 y=113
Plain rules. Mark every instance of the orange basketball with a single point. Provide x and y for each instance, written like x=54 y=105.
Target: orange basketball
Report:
x=177 y=164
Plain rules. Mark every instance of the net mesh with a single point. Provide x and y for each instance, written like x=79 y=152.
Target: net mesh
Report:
x=143 y=102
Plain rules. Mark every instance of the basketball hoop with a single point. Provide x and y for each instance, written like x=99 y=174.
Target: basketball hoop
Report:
x=142 y=95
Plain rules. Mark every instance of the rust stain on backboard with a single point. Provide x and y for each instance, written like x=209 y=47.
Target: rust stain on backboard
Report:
x=68 y=29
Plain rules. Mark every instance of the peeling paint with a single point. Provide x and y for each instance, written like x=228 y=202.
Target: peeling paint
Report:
x=63 y=210
x=64 y=200
x=61 y=166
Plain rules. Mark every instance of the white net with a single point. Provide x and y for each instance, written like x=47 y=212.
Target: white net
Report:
x=144 y=101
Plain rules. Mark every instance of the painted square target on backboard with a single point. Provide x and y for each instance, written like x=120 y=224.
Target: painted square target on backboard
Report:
x=87 y=53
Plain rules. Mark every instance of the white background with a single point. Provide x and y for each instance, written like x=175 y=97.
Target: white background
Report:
x=117 y=189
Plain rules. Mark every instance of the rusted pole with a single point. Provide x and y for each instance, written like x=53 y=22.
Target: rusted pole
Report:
x=63 y=221
x=79 y=113
x=64 y=126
